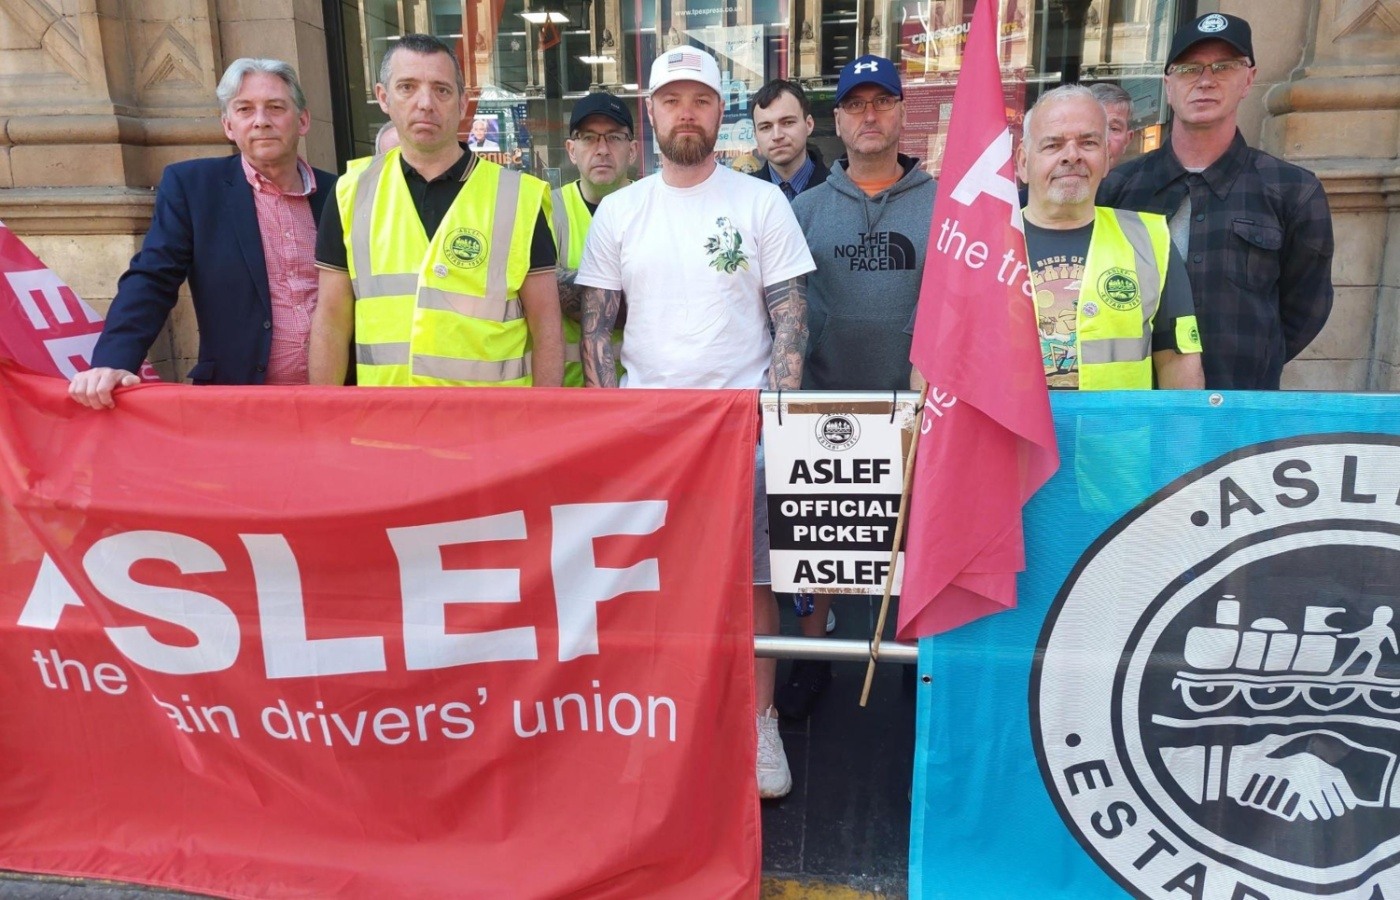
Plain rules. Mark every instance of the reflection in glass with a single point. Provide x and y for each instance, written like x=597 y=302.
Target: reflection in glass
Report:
x=529 y=60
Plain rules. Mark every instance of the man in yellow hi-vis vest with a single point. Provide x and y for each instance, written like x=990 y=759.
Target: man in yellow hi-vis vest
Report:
x=601 y=144
x=1111 y=293
x=438 y=265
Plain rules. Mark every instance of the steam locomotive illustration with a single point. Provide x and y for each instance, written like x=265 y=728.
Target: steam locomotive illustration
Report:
x=1271 y=666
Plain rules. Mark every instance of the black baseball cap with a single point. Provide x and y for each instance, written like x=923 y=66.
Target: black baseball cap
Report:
x=601 y=104
x=1213 y=27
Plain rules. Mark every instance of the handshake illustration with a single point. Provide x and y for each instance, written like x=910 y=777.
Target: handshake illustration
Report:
x=1314 y=774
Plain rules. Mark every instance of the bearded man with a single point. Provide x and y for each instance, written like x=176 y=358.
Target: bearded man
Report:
x=713 y=269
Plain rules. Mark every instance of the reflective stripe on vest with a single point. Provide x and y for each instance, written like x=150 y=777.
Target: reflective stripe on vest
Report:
x=570 y=211
x=1124 y=273
x=388 y=354
x=571 y=219
x=447 y=368
x=487 y=308
x=431 y=326
x=561 y=230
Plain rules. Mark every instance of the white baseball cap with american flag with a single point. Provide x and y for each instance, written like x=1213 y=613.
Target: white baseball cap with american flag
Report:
x=685 y=64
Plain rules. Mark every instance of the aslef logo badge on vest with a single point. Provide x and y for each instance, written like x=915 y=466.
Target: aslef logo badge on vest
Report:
x=1119 y=289
x=465 y=248
x=878 y=251
x=1216 y=697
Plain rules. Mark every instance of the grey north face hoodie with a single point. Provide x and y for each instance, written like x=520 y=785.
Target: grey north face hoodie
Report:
x=870 y=258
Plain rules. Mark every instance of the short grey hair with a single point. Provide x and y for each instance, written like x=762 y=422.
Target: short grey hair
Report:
x=1059 y=95
x=1111 y=95
x=243 y=67
x=426 y=45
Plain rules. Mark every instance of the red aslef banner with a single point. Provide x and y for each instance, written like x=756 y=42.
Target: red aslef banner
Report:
x=338 y=642
x=44 y=325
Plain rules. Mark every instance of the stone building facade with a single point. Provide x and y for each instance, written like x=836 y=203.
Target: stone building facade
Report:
x=1328 y=98
x=97 y=96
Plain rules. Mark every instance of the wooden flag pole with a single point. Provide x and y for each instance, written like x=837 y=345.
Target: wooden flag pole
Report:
x=894 y=551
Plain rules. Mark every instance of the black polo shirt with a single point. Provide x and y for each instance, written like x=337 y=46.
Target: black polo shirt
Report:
x=431 y=199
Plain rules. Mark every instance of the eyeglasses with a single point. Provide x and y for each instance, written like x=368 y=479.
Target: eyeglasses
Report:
x=854 y=106
x=615 y=139
x=1192 y=71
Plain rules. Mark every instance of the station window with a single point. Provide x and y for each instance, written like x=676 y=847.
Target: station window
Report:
x=526 y=62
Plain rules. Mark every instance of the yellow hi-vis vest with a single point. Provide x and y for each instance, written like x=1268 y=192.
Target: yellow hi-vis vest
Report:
x=570 y=220
x=1124 y=274
x=444 y=311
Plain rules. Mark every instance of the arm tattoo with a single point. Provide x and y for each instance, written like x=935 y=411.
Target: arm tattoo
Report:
x=570 y=295
x=599 y=317
x=787 y=309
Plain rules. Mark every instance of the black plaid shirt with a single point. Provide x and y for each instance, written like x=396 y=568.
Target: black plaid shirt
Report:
x=1259 y=257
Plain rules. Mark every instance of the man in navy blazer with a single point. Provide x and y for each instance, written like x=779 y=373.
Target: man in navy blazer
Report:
x=206 y=230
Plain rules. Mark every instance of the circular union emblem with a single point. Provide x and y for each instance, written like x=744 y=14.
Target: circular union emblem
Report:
x=1213 y=23
x=1119 y=289
x=1091 y=309
x=466 y=248
x=1215 y=700
x=838 y=431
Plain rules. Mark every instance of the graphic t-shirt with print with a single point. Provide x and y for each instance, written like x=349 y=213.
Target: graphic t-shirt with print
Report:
x=1057 y=273
x=692 y=264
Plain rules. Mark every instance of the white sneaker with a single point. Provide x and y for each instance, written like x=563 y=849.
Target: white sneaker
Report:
x=774 y=776
x=830 y=621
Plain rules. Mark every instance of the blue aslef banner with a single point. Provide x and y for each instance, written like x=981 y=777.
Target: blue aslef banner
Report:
x=1199 y=694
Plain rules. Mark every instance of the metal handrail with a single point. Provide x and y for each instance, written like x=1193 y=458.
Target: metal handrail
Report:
x=771 y=646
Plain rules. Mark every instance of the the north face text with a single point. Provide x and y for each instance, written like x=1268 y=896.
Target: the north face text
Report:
x=878 y=251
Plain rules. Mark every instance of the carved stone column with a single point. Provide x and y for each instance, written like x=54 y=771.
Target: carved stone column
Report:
x=610 y=45
x=678 y=32
x=808 y=37
x=98 y=96
x=1338 y=114
x=478 y=55
x=875 y=35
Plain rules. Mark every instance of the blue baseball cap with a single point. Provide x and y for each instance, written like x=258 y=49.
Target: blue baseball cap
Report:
x=869 y=69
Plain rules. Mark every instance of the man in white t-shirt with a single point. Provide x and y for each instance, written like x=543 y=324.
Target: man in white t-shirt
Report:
x=713 y=267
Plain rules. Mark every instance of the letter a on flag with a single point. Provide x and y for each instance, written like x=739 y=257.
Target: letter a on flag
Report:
x=44 y=325
x=988 y=441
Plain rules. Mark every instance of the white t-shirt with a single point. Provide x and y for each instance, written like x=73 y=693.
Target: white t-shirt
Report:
x=692 y=264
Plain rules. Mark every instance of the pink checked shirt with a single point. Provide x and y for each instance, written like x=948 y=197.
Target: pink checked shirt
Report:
x=289 y=246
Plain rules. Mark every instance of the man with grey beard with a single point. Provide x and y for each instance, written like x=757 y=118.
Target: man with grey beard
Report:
x=1111 y=293
x=715 y=281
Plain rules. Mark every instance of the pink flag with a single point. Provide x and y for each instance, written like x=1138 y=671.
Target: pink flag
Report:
x=44 y=326
x=988 y=440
